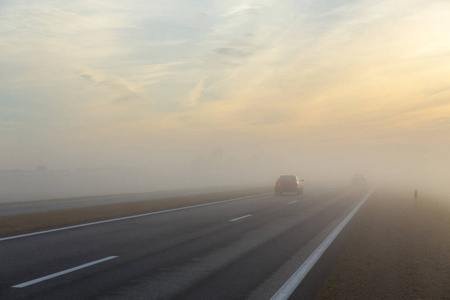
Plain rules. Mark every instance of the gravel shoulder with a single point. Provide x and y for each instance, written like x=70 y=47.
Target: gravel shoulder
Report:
x=400 y=250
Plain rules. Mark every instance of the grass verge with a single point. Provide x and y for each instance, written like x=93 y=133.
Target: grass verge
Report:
x=400 y=250
x=19 y=224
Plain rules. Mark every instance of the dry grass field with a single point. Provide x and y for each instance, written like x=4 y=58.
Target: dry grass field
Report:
x=401 y=250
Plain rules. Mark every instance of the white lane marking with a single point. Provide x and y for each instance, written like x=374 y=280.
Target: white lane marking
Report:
x=31 y=282
x=130 y=217
x=293 y=282
x=292 y=202
x=246 y=216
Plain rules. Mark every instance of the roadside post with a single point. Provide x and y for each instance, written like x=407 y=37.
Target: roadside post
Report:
x=415 y=196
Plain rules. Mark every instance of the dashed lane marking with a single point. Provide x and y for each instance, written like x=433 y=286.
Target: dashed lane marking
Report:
x=240 y=218
x=34 y=281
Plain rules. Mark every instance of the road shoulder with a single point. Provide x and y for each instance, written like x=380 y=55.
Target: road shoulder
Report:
x=400 y=250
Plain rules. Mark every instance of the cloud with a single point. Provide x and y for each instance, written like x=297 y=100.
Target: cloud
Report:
x=196 y=93
x=143 y=70
x=232 y=52
x=121 y=89
x=439 y=91
x=241 y=8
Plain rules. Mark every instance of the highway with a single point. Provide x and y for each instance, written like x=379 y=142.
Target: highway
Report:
x=245 y=248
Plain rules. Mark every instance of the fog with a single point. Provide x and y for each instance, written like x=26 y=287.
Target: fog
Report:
x=144 y=96
x=414 y=168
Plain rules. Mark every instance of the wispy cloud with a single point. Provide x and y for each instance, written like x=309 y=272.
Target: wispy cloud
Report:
x=232 y=52
x=120 y=89
x=148 y=69
x=196 y=93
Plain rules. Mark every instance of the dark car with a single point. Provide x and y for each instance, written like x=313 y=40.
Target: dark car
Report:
x=289 y=184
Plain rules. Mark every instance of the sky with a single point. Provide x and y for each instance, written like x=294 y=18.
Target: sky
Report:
x=137 y=83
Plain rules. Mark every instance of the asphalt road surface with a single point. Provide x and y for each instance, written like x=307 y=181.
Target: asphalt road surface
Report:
x=241 y=249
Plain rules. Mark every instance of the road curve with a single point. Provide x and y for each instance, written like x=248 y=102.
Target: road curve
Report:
x=244 y=249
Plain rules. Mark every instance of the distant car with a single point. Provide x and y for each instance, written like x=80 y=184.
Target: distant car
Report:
x=288 y=184
x=359 y=180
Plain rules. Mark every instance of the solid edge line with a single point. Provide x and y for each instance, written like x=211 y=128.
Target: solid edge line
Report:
x=34 y=281
x=129 y=217
x=246 y=216
x=294 y=281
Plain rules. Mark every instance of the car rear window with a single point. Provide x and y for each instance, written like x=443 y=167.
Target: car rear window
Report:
x=288 y=178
